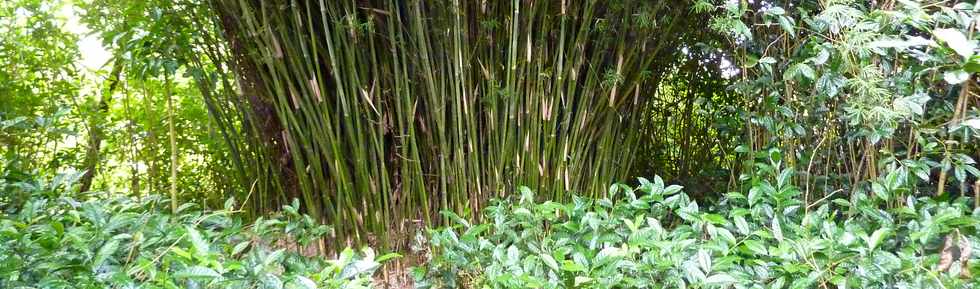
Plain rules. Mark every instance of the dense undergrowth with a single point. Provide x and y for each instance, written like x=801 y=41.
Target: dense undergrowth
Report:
x=50 y=238
x=653 y=236
x=650 y=236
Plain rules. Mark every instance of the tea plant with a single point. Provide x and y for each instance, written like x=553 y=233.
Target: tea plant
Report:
x=53 y=240
x=655 y=236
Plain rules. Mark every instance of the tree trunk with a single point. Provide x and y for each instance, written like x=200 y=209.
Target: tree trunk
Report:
x=95 y=135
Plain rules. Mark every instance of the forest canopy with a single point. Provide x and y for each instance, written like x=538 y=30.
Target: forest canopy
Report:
x=489 y=144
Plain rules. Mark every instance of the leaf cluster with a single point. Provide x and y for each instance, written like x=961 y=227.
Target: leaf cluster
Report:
x=655 y=236
x=56 y=240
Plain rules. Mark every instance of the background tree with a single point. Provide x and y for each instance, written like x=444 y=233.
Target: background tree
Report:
x=38 y=83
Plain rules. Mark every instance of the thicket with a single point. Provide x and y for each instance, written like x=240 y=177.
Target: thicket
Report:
x=655 y=236
x=52 y=237
x=821 y=143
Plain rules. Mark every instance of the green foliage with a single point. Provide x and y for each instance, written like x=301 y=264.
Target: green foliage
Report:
x=655 y=236
x=853 y=89
x=38 y=59
x=38 y=82
x=858 y=122
x=688 y=130
x=167 y=52
x=54 y=240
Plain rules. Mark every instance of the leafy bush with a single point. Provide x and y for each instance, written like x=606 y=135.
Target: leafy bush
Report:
x=655 y=236
x=858 y=87
x=51 y=240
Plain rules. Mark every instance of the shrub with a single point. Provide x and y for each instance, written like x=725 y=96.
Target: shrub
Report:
x=655 y=236
x=50 y=240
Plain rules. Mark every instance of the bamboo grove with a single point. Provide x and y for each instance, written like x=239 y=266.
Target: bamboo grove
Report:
x=390 y=110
